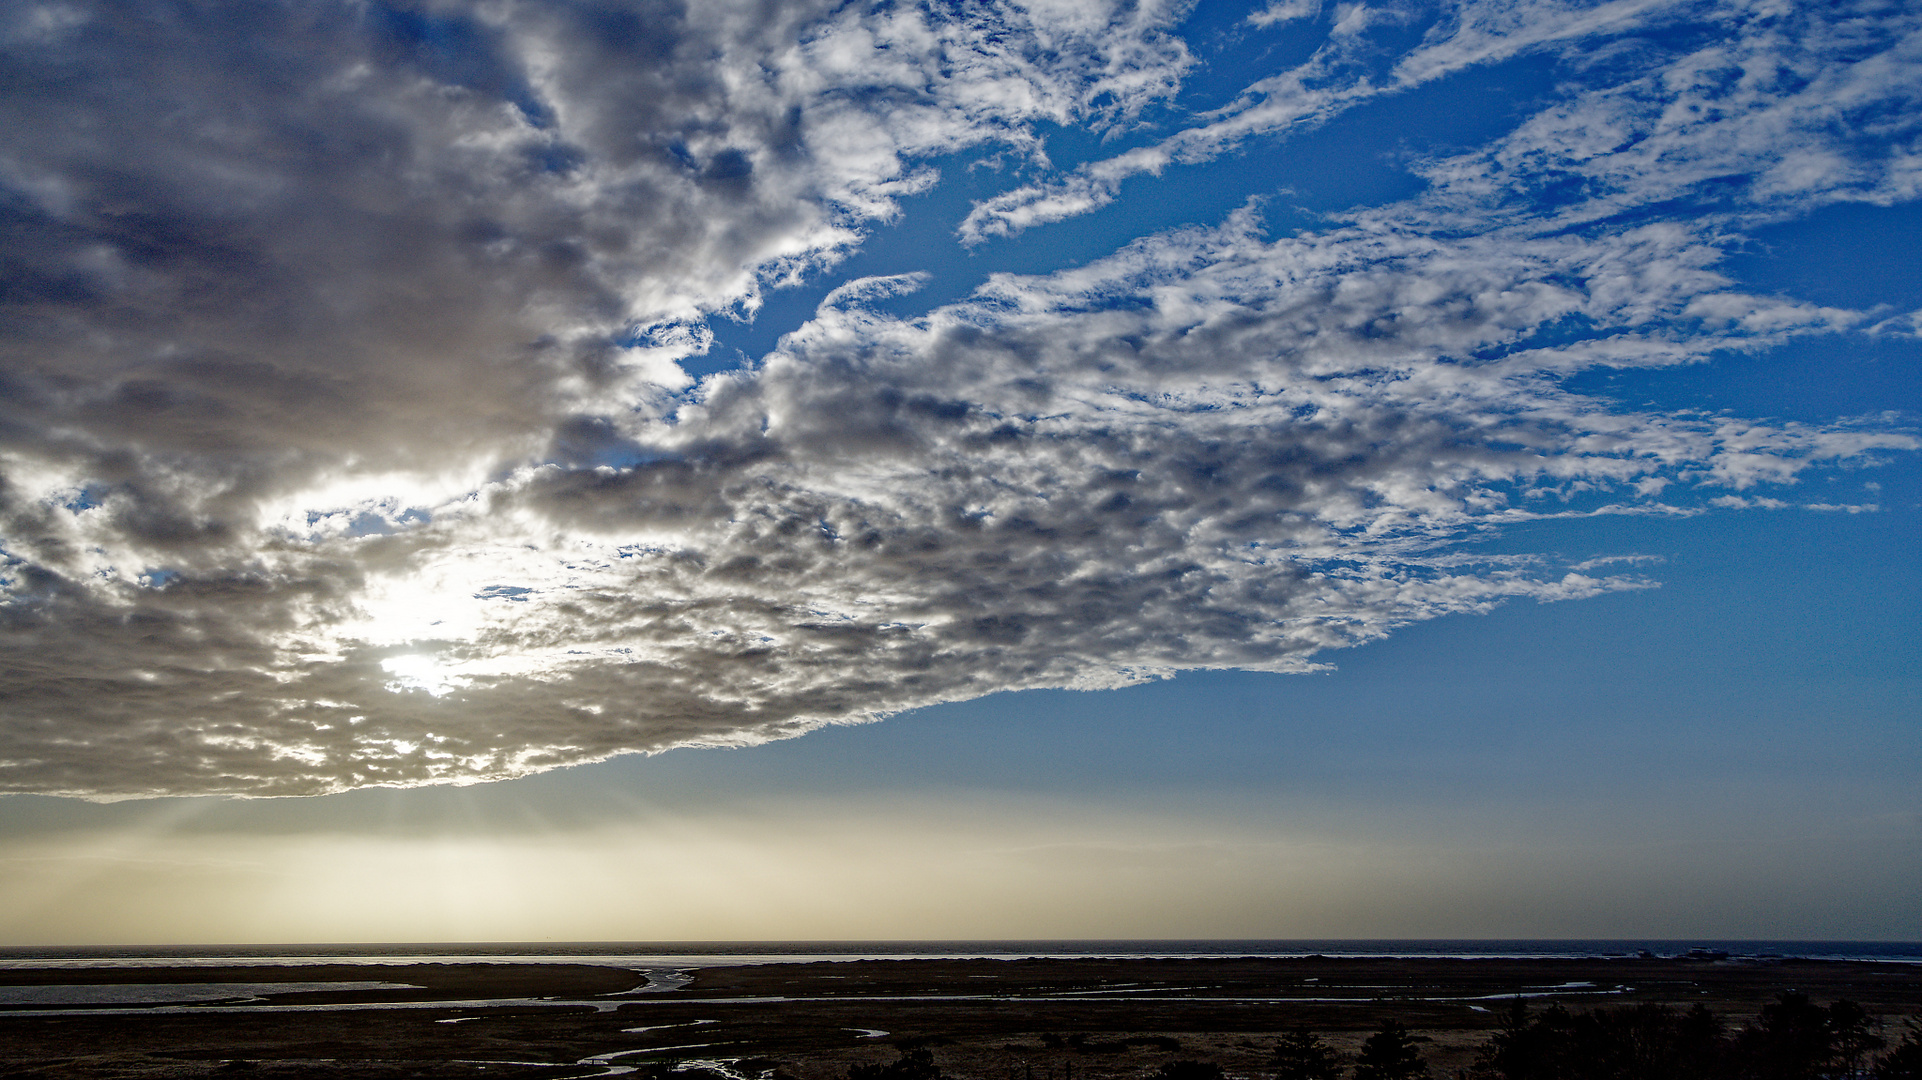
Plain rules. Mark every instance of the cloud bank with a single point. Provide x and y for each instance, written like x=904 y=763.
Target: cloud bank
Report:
x=343 y=440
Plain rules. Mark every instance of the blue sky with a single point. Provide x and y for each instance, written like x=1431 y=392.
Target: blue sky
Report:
x=940 y=471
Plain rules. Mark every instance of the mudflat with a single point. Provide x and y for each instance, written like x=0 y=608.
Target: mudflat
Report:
x=1036 y=1019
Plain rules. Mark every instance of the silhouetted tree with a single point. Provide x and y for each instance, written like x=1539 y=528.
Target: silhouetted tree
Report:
x=1699 y=1044
x=1644 y=1042
x=1189 y=1070
x=1637 y=1043
x=1789 y=1040
x=1850 y=1040
x=1904 y=1062
x=911 y=1065
x=1528 y=1048
x=1390 y=1054
x=1302 y=1055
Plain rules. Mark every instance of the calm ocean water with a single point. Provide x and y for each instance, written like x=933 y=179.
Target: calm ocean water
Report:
x=684 y=954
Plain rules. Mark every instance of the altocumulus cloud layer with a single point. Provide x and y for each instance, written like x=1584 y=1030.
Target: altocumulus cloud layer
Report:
x=343 y=438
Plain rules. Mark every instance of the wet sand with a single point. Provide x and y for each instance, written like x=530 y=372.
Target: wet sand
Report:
x=1049 y=1019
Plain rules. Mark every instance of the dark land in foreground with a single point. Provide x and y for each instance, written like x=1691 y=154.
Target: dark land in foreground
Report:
x=1041 y=1019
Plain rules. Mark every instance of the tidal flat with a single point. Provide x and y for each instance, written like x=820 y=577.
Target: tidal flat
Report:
x=993 y=1019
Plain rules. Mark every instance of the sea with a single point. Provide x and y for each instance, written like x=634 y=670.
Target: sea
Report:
x=692 y=954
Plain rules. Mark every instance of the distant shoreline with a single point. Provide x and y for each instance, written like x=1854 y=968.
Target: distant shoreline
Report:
x=982 y=1019
x=729 y=953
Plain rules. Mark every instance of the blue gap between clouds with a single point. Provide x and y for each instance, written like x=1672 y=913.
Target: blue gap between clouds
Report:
x=1853 y=256
x=1819 y=379
x=1229 y=52
x=1360 y=158
x=369 y=523
x=456 y=51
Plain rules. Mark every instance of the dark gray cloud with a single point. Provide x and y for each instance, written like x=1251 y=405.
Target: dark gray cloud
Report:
x=343 y=441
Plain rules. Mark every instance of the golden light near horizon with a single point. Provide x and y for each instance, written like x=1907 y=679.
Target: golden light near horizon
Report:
x=956 y=866
x=953 y=869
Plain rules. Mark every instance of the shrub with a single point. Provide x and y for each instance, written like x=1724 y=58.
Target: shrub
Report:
x=1390 y=1054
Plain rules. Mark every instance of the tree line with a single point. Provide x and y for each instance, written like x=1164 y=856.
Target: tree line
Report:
x=1792 y=1038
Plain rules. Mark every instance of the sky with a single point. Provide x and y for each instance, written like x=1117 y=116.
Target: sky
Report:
x=784 y=470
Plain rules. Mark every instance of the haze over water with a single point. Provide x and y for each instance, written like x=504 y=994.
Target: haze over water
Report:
x=721 y=954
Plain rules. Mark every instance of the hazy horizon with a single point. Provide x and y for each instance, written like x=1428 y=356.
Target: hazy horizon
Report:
x=688 y=953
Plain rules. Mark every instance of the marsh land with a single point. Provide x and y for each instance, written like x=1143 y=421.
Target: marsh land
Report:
x=1034 y=1019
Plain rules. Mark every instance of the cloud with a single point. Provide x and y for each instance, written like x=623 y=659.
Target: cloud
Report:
x=1787 y=98
x=1351 y=67
x=1284 y=11
x=344 y=443
x=1787 y=112
x=354 y=239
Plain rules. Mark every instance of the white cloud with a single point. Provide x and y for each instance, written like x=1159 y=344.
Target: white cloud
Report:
x=1782 y=98
x=1346 y=71
x=1281 y=11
